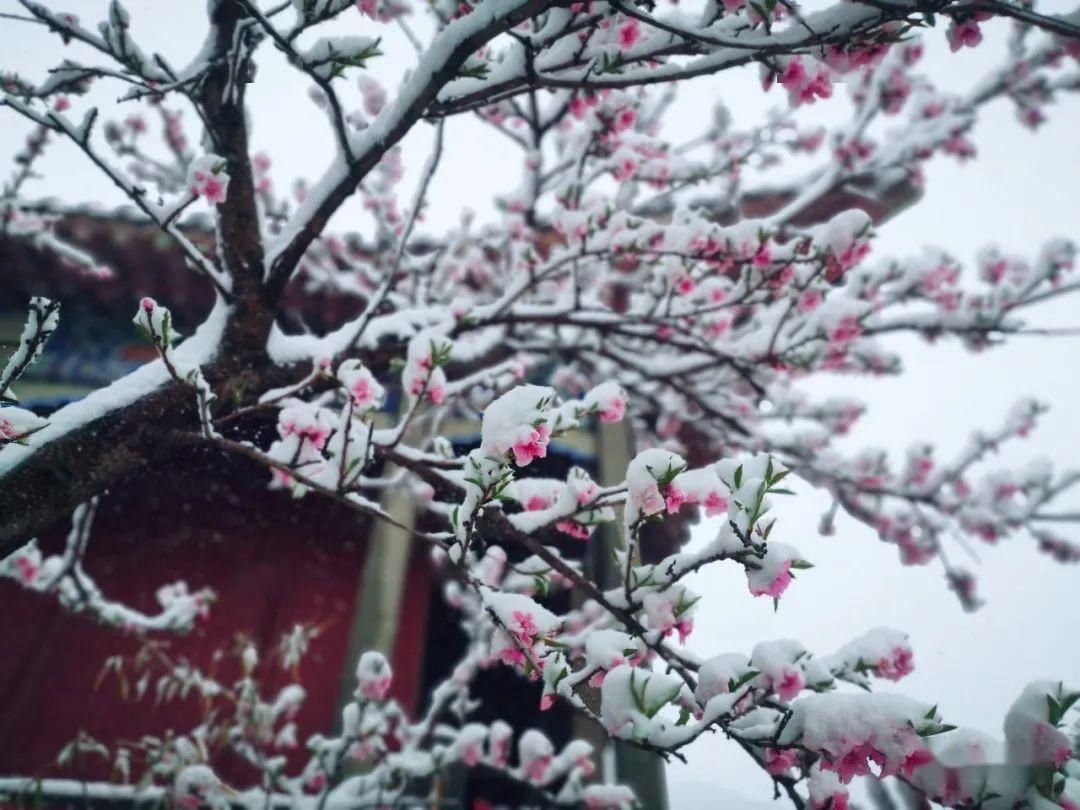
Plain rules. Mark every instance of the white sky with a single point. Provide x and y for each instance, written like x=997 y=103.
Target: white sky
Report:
x=1021 y=189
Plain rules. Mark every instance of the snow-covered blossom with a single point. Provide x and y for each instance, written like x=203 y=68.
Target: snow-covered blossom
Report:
x=364 y=390
x=423 y=375
x=689 y=284
x=516 y=423
x=373 y=676
x=207 y=178
x=851 y=732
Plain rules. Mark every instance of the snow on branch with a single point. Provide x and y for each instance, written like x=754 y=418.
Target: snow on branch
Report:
x=64 y=576
x=684 y=284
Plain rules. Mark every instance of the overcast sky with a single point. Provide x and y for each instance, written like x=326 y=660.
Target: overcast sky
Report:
x=1021 y=190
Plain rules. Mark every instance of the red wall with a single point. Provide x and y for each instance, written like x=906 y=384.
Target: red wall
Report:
x=273 y=562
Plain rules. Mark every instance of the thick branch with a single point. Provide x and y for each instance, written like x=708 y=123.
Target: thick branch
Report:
x=239 y=237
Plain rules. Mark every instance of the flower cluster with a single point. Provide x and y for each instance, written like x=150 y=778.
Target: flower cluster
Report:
x=669 y=281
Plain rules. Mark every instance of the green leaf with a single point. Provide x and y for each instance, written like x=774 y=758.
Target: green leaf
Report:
x=674 y=693
x=745 y=678
x=1067 y=702
x=639 y=700
x=936 y=730
x=1053 y=710
x=764 y=16
x=541 y=586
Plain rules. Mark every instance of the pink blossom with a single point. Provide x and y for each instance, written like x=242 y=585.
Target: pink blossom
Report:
x=817 y=87
x=810 y=141
x=779 y=761
x=959 y=146
x=913 y=761
x=512 y=656
x=536 y=503
x=762 y=257
x=587 y=493
x=1050 y=745
x=363 y=392
x=437 y=393
x=614 y=410
x=920 y=470
x=376 y=688
x=536 y=769
x=574 y=529
x=778 y=281
x=794 y=74
x=650 y=501
x=684 y=627
x=854 y=253
x=809 y=300
x=1031 y=116
x=845 y=331
x=896 y=91
x=629 y=34
x=964 y=35
x=547 y=700
x=854 y=762
x=315 y=431
x=625 y=169
x=280 y=479
x=789 y=685
x=674 y=498
x=498 y=749
x=624 y=119
x=908 y=753
x=715 y=504
x=532 y=447
x=525 y=627
x=578 y=106
x=213 y=187
x=779 y=584
x=837 y=801
x=899 y=663
x=25 y=567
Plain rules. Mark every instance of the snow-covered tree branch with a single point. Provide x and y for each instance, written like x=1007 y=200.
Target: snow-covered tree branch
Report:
x=633 y=275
